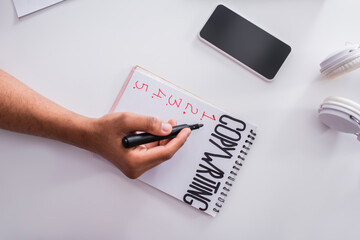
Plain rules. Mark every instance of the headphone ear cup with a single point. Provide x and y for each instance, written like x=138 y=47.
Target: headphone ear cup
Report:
x=344 y=103
x=341 y=114
x=344 y=68
x=341 y=62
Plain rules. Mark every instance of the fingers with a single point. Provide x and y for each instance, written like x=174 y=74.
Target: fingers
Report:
x=135 y=161
x=172 y=122
x=156 y=155
x=135 y=122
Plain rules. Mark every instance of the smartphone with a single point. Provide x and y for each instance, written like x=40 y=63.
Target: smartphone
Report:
x=244 y=42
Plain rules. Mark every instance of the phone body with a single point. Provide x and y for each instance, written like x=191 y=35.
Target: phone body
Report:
x=244 y=42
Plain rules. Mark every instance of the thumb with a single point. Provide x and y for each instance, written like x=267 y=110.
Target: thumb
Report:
x=155 y=126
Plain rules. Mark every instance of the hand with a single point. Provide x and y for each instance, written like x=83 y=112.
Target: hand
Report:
x=24 y=110
x=110 y=129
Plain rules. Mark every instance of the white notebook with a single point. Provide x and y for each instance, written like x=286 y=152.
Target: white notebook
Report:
x=202 y=172
x=25 y=7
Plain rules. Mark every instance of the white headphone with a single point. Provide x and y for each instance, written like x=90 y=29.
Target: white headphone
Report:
x=341 y=114
x=341 y=62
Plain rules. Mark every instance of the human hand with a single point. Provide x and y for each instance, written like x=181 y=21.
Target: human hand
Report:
x=108 y=132
x=103 y=135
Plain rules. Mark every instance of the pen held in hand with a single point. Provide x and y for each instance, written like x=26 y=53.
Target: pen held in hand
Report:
x=143 y=138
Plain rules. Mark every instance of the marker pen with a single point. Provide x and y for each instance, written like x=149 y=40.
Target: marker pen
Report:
x=143 y=138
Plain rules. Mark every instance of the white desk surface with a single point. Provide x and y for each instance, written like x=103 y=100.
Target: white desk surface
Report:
x=300 y=181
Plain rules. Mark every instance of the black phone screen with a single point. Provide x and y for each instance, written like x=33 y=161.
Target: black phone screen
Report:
x=245 y=42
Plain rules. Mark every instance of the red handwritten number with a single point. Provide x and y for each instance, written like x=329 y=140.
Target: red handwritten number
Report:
x=158 y=94
x=204 y=115
x=142 y=86
x=191 y=108
x=175 y=101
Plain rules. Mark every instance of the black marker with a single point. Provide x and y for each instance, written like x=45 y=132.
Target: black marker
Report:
x=142 y=138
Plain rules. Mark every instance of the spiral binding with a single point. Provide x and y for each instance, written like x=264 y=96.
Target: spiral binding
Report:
x=234 y=172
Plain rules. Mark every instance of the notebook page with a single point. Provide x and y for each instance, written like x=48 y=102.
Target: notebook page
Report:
x=148 y=94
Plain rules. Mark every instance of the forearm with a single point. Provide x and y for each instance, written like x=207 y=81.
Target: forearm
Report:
x=25 y=111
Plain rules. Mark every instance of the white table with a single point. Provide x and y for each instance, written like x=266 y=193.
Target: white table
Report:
x=300 y=181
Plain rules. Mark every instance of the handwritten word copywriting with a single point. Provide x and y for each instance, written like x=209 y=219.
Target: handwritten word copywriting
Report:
x=225 y=137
